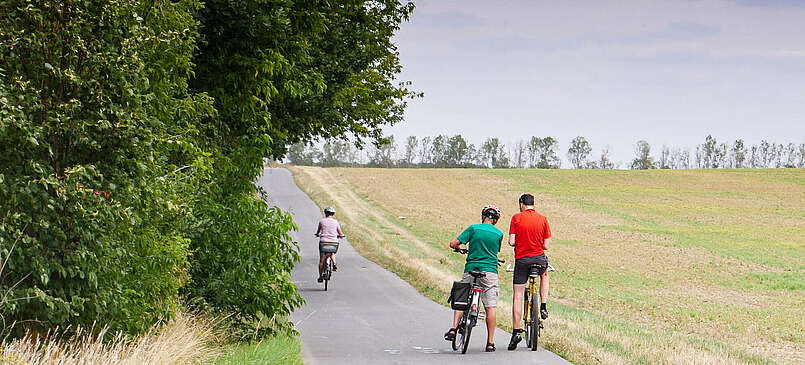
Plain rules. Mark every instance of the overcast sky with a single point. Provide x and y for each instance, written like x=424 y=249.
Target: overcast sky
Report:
x=669 y=72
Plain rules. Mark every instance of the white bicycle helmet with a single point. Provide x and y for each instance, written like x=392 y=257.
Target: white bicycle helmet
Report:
x=329 y=209
x=491 y=212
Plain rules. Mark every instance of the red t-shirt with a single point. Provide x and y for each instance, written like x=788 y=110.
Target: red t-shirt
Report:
x=530 y=229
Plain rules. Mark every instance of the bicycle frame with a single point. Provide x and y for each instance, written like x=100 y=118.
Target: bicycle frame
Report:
x=476 y=298
x=469 y=316
x=533 y=288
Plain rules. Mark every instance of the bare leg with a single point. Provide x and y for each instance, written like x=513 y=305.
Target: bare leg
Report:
x=517 y=305
x=457 y=318
x=543 y=287
x=491 y=321
x=321 y=264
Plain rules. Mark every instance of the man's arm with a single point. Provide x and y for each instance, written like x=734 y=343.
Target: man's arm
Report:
x=464 y=237
x=546 y=243
x=512 y=229
x=318 y=230
x=340 y=234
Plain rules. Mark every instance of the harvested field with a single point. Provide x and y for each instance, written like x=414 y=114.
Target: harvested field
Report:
x=663 y=266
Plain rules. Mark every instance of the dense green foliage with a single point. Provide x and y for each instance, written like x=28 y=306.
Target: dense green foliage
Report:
x=133 y=133
x=279 y=72
x=87 y=228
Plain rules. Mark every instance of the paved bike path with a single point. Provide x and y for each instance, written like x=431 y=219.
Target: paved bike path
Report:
x=369 y=315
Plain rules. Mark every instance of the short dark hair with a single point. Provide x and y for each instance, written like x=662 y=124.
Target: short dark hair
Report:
x=527 y=199
x=329 y=214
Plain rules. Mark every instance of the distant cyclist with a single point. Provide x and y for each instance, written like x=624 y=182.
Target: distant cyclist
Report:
x=530 y=235
x=329 y=231
x=482 y=255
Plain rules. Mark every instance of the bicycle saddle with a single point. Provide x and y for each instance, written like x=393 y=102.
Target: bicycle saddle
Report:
x=536 y=270
x=476 y=274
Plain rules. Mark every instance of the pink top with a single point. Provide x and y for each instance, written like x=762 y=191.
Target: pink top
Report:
x=328 y=230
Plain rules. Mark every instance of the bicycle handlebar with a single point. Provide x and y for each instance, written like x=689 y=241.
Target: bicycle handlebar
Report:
x=464 y=251
x=510 y=268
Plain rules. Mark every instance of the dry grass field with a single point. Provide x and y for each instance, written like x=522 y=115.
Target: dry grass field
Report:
x=663 y=266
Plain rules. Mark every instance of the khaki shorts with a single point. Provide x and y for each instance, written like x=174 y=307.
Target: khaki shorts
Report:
x=490 y=285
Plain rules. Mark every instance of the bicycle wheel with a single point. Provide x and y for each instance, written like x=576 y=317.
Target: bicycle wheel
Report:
x=465 y=339
x=328 y=270
x=534 y=322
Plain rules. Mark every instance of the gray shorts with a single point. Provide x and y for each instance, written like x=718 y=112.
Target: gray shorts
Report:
x=490 y=285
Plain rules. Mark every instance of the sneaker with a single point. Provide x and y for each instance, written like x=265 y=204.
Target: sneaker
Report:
x=319 y=280
x=543 y=313
x=335 y=268
x=516 y=338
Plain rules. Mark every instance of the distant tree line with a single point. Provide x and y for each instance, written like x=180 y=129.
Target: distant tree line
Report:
x=543 y=153
x=714 y=154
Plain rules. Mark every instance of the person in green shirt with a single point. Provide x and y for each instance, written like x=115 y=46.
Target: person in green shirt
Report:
x=483 y=244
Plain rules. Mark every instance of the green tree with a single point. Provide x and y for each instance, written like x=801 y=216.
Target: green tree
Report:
x=519 y=155
x=643 y=159
x=801 y=154
x=410 y=151
x=738 y=155
x=766 y=153
x=281 y=72
x=439 y=149
x=604 y=161
x=542 y=153
x=304 y=154
x=95 y=108
x=666 y=159
x=383 y=153
x=709 y=152
x=457 y=151
x=578 y=152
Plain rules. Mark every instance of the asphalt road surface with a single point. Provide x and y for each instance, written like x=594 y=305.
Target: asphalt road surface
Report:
x=369 y=315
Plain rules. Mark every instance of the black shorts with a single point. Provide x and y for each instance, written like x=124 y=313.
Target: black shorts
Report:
x=522 y=267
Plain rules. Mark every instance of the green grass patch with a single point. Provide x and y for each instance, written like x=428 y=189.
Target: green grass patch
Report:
x=281 y=349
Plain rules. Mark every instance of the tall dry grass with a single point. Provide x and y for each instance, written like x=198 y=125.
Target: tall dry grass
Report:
x=185 y=339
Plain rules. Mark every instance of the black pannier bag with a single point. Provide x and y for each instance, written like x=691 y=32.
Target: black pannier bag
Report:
x=460 y=296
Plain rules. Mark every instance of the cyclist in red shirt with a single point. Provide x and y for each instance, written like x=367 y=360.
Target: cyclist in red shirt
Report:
x=530 y=235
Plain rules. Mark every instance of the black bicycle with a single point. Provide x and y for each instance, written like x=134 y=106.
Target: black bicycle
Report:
x=470 y=316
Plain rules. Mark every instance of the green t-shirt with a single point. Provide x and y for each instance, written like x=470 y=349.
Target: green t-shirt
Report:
x=484 y=244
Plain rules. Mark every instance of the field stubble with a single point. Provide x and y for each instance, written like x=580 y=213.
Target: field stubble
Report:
x=654 y=266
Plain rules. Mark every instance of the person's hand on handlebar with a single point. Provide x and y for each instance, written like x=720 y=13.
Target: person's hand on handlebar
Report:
x=342 y=236
x=455 y=245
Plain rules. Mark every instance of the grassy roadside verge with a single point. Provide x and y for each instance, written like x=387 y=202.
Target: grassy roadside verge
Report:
x=281 y=349
x=654 y=267
x=188 y=338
